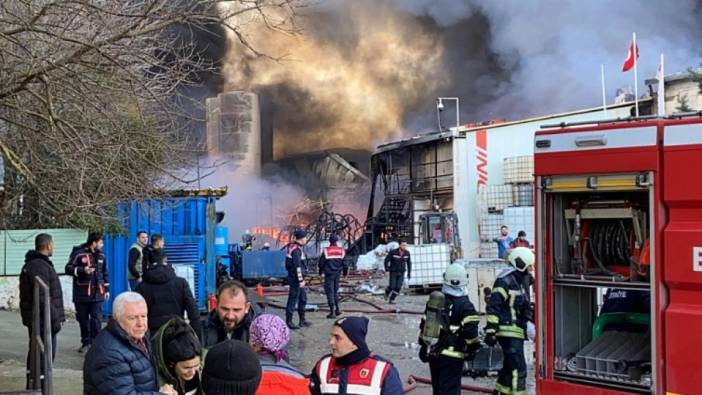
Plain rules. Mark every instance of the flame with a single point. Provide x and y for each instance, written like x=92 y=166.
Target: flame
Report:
x=353 y=86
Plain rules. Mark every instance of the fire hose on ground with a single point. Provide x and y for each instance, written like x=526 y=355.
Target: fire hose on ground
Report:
x=412 y=381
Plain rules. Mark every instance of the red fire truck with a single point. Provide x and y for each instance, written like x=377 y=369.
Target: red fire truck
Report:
x=619 y=209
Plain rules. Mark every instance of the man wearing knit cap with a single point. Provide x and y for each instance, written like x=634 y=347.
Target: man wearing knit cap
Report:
x=297 y=269
x=332 y=264
x=231 y=368
x=351 y=368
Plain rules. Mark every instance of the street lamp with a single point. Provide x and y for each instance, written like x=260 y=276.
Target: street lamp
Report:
x=440 y=108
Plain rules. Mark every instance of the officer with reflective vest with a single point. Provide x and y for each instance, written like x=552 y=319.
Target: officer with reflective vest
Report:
x=509 y=310
x=449 y=332
x=332 y=264
x=297 y=269
x=135 y=265
x=351 y=369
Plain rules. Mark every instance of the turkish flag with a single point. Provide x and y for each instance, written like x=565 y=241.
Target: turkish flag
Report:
x=630 y=57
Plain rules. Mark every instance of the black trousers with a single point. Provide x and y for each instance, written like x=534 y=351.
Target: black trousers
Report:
x=395 y=284
x=43 y=365
x=331 y=289
x=296 y=296
x=446 y=374
x=511 y=379
x=89 y=316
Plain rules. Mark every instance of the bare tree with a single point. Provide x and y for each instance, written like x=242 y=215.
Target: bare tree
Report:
x=91 y=104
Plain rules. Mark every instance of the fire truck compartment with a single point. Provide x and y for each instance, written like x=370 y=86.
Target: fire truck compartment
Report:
x=600 y=228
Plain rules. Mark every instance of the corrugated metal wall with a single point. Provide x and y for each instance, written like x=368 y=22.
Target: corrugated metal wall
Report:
x=14 y=244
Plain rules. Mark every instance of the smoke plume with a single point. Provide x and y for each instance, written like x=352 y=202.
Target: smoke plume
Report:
x=363 y=72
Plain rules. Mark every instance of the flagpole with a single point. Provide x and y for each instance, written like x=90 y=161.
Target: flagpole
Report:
x=661 y=90
x=636 y=76
x=604 y=95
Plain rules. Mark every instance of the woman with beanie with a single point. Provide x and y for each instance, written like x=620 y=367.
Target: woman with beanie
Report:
x=268 y=336
x=231 y=368
x=177 y=356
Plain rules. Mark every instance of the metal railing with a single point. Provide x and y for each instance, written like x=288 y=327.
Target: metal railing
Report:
x=41 y=351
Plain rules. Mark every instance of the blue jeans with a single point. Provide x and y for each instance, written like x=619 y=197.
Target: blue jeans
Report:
x=296 y=296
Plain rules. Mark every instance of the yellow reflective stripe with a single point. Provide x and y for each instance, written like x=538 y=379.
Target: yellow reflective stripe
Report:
x=515 y=377
x=511 y=307
x=454 y=328
x=518 y=393
x=493 y=319
x=450 y=352
x=502 y=389
x=473 y=340
x=500 y=291
x=490 y=330
x=470 y=318
x=511 y=331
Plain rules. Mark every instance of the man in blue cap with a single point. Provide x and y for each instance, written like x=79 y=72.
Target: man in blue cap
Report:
x=351 y=368
x=332 y=264
x=297 y=269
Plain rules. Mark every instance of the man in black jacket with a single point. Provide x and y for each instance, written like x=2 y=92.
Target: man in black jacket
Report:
x=396 y=262
x=88 y=267
x=38 y=264
x=153 y=253
x=168 y=295
x=232 y=317
x=296 y=266
x=135 y=265
x=332 y=264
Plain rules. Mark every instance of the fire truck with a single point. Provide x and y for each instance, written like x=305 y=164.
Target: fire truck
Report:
x=619 y=209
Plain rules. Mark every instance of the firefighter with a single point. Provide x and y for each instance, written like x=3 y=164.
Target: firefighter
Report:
x=332 y=264
x=396 y=262
x=449 y=332
x=509 y=309
x=297 y=269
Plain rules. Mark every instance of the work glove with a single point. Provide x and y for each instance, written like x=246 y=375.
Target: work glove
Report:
x=423 y=354
x=490 y=339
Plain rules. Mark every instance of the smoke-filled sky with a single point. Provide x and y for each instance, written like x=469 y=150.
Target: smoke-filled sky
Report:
x=362 y=72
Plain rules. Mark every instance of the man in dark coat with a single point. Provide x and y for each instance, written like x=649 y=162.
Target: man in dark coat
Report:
x=153 y=253
x=332 y=264
x=167 y=296
x=296 y=266
x=38 y=264
x=232 y=317
x=396 y=262
x=88 y=267
x=120 y=362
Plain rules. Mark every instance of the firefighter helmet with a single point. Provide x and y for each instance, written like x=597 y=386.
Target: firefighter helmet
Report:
x=456 y=276
x=521 y=258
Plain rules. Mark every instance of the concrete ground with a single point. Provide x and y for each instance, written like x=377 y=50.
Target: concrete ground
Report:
x=393 y=336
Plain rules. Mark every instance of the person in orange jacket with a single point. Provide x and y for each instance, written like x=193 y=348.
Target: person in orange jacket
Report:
x=268 y=336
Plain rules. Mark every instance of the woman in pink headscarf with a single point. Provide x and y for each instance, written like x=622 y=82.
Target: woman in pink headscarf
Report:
x=268 y=335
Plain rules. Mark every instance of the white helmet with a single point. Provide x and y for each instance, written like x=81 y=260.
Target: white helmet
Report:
x=456 y=276
x=521 y=258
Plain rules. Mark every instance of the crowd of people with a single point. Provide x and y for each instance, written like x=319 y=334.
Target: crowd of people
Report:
x=156 y=342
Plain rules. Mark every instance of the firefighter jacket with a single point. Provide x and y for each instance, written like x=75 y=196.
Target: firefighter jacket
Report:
x=88 y=287
x=398 y=261
x=332 y=261
x=509 y=307
x=459 y=336
x=295 y=263
x=371 y=376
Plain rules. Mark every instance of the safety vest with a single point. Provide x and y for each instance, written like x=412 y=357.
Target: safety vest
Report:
x=334 y=252
x=363 y=378
x=139 y=260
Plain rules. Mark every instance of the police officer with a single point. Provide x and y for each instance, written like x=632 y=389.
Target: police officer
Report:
x=396 y=262
x=297 y=269
x=456 y=323
x=332 y=264
x=508 y=311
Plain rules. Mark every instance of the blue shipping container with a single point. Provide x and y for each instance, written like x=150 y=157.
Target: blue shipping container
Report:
x=187 y=224
x=263 y=264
